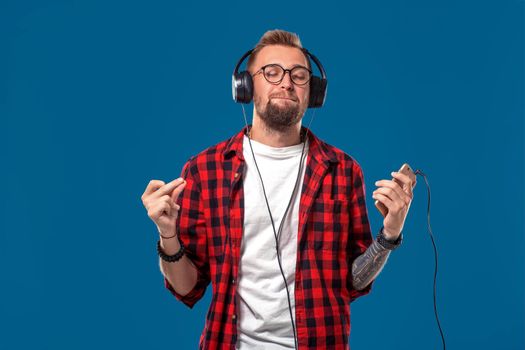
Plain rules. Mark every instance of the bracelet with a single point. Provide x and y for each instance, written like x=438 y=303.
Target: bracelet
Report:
x=170 y=258
x=390 y=245
x=167 y=237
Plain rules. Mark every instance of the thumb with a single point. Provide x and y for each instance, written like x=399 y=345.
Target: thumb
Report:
x=177 y=191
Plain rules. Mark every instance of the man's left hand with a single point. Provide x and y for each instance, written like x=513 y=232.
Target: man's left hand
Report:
x=397 y=199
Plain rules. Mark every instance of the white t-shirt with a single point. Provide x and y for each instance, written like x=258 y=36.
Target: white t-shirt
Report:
x=264 y=317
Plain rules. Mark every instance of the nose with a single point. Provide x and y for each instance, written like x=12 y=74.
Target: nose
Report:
x=287 y=83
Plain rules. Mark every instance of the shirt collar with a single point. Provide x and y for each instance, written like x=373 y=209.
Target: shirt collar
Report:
x=317 y=148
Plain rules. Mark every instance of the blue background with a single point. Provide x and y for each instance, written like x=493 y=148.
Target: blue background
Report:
x=97 y=98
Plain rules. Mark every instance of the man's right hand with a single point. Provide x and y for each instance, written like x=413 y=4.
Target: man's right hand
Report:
x=160 y=200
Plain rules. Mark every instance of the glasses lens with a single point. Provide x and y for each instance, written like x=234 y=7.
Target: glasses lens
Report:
x=300 y=75
x=273 y=73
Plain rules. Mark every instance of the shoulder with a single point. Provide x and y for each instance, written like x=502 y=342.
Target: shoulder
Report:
x=207 y=159
x=344 y=159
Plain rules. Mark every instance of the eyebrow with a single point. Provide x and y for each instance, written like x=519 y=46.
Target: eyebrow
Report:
x=295 y=65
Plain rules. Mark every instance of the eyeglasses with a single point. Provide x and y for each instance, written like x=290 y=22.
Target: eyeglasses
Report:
x=274 y=74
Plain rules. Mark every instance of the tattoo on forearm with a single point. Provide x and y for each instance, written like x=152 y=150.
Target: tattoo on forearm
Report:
x=368 y=265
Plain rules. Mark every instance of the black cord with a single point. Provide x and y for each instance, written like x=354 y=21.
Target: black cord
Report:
x=435 y=257
x=277 y=234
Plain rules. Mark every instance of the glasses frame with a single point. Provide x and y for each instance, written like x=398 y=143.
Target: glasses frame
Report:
x=262 y=69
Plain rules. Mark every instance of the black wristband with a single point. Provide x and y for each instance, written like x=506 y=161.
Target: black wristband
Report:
x=170 y=258
x=390 y=245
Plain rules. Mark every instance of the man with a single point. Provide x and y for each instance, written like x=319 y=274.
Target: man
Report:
x=284 y=239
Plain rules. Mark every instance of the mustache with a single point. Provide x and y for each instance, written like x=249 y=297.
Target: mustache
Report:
x=284 y=96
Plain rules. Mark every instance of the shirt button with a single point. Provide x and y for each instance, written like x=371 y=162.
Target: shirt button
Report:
x=236 y=175
x=234 y=317
x=233 y=280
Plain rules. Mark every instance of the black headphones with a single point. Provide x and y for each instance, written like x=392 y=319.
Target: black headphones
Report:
x=242 y=83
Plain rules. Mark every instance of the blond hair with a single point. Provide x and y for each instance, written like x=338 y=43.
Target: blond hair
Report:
x=277 y=37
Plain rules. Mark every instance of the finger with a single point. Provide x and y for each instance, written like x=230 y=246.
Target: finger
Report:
x=393 y=206
x=397 y=196
x=385 y=200
x=408 y=183
x=407 y=194
x=158 y=210
x=167 y=188
x=403 y=178
x=175 y=194
x=390 y=194
x=395 y=187
x=153 y=202
x=173 y=206
x=152 y=186
x=166 y=198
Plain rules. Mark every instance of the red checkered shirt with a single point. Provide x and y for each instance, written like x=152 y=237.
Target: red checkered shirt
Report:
x=333 y=230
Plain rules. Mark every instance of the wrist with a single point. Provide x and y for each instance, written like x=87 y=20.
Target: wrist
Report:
x=389 y=235
x=387 y=243
x=167 y=234
x=170 y=246
x=170 y=256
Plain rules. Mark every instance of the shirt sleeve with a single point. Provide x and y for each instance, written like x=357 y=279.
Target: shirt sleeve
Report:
x=191 y=226
x=360 y=233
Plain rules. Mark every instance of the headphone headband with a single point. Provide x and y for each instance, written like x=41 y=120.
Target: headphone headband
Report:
x=248 y=53
x=317 y=63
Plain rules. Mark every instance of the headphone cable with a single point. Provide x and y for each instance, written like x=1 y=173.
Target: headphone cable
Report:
x=278 y=233
x=419 y=172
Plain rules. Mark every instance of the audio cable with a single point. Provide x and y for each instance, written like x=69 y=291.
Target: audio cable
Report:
x=419 y=172
x=278 y=233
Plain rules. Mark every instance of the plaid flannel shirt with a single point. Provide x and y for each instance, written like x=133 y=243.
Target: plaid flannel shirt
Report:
x=333 y=230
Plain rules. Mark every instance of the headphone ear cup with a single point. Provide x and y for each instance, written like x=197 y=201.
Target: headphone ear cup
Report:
x=317 y=92
x=242 y=87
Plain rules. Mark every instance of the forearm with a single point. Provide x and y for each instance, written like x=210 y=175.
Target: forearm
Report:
x=368 y=265
x=182 y=274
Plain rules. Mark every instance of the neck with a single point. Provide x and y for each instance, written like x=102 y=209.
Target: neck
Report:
x=260 y=132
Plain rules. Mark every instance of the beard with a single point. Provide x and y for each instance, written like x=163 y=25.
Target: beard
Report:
x=279 y=117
